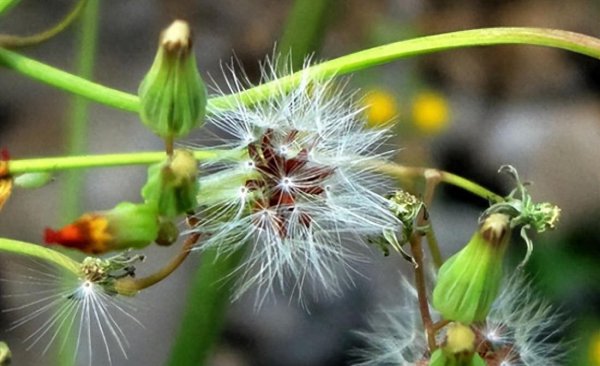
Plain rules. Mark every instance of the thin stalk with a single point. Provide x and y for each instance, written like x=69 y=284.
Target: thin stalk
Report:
x=432 y=178
x=131 y=286
x=407 y=172
x=78 y=115
x=434 y=248
x=205 y=310
x=570 y=41
x=11 y=41
x=77 y=122
x=38 y=251
x=421 y=286
x=56 y=164
x=304 y=30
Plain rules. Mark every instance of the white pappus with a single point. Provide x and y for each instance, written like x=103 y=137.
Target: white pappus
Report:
x=521 y=329
x=305 y=188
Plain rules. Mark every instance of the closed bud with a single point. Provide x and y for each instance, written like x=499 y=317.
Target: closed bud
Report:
x=458 y=348
x=172 y=185
x=5 y=354
x=172 y=94
x=33 y=180
x=126 y=226
x=469 y=281
x=441 y=358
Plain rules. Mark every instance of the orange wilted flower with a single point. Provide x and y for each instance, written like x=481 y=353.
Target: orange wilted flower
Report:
x=6 y=182
x=126 y=226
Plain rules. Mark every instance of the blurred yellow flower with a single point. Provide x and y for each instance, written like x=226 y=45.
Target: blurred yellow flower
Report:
x=430 y=112
x=594 y=351
x=381 y=108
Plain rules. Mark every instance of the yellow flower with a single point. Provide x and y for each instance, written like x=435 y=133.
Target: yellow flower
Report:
x=594 y=351
x=382 y=108
x=430 y=112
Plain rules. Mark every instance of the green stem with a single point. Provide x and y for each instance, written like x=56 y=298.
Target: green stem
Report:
x=570 y=41
x=78 y=116
x=205 y=310
x=77 y=123
x=68 y=82
x=6 y=5
x=38 y=251
x=54 y=164
x=304 y=30
x=16 y=167
x=403 y=172
x=10 y=41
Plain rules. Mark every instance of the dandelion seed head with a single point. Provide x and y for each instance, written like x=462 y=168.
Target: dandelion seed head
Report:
x=521 y=330
x=48 y=304
x=396 y=337
x=309 y=185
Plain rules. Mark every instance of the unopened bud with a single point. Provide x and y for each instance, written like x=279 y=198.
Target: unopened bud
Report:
x=172 y=94
x=173 y=184
x=5 y=354
x=469 y=281
x=458 y=348
x=126 y=226
x=33 y=180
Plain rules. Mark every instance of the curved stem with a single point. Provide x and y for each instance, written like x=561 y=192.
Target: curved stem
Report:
x=6 y=5
x=38 y=251
x=10 y=41
x=68 y=82
x=554 y=38
x=130 y=286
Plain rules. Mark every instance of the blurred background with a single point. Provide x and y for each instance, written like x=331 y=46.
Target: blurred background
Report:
x=466 y=111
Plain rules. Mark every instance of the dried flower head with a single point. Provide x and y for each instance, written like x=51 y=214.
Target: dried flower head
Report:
x=304 y=188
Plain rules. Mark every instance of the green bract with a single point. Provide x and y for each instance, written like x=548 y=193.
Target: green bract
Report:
x=132 y=225
x=172 y=94
x=172 y=185
x=469 y=281
x=33 y=180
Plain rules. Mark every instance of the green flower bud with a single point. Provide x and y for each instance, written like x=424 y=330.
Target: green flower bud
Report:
x=32 y=180
x=469 y=281
x=440 y=358
x=458 y=348
x=173 y=184
x=128 y=225
x=5 y=354
x=172 y=94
